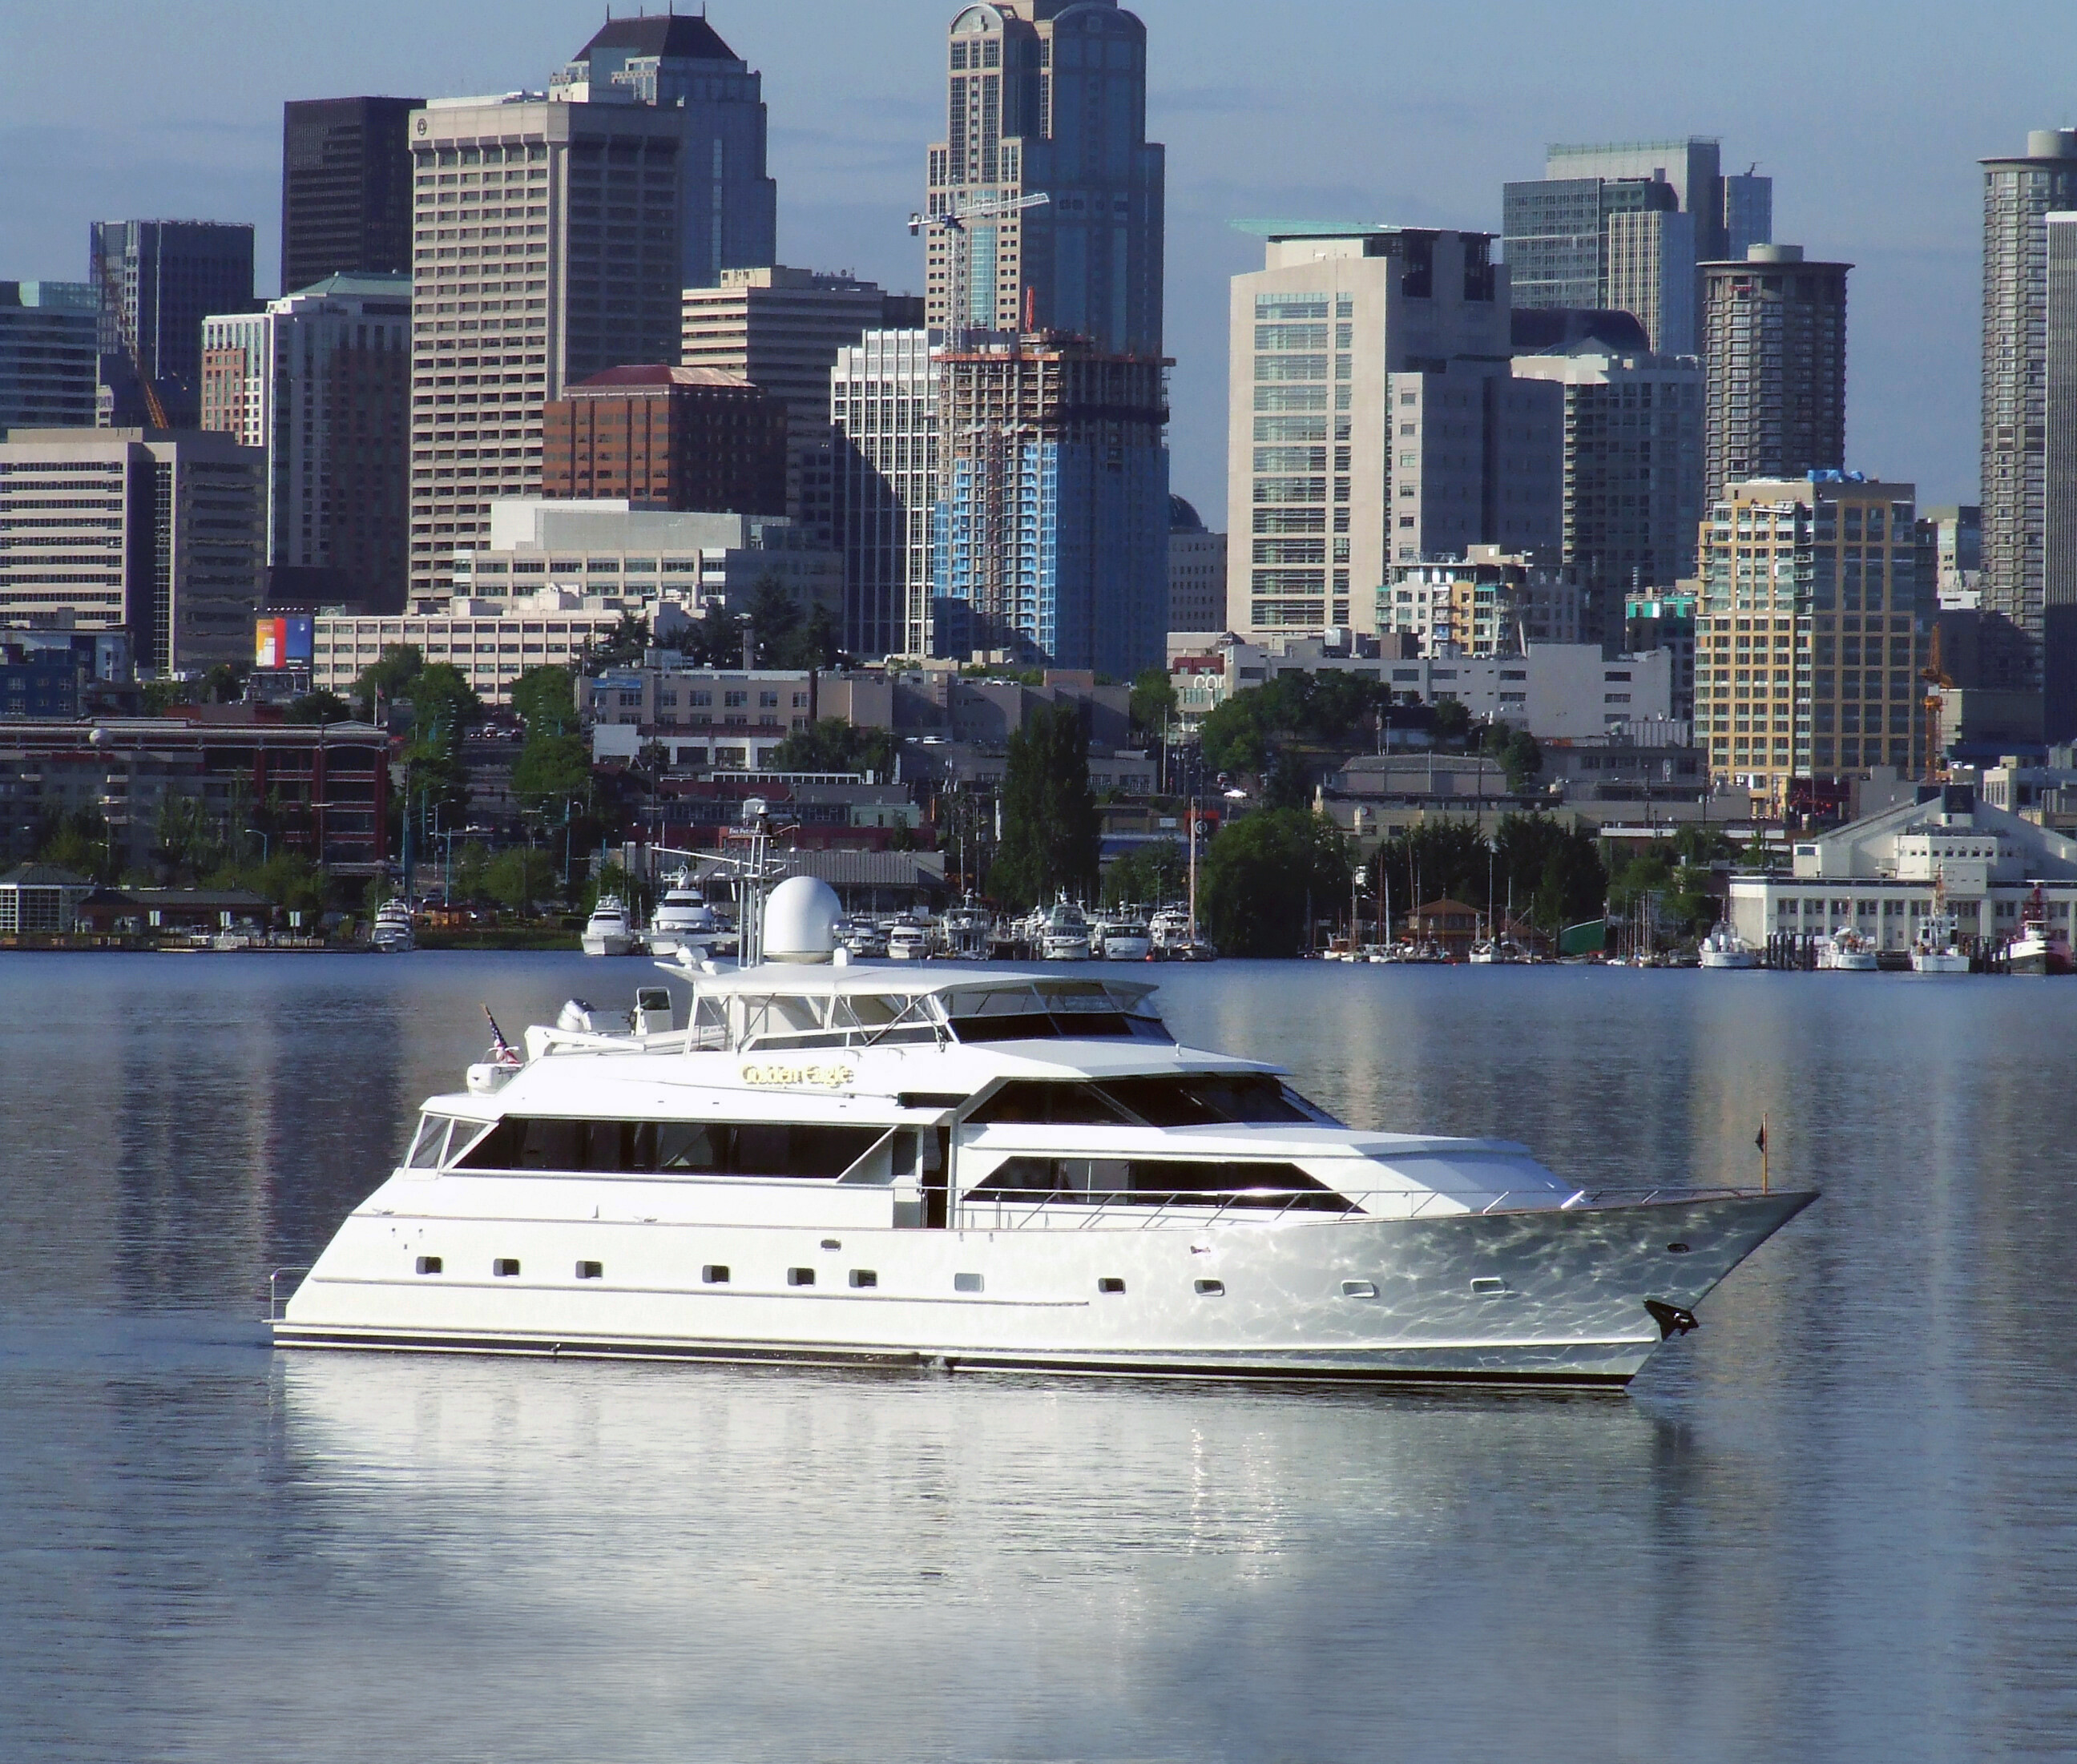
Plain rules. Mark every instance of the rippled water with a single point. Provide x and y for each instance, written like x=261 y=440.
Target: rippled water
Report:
x=1836 y=1523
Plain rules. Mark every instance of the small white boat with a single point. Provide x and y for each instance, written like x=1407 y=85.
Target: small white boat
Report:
x=908 y=941
x=608 y=932
x=863 y=938
x=1498 y=951
x=1846 y=951
x=1126 y=940
x=1063 y=933
x=966 y=932
x=391 y=934
x=683 y=919
x=1723 y=947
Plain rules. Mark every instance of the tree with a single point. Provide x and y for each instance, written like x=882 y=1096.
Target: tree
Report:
x=162 y=696
x=1453 y=722
x=551 y=768
x=225 y=683
x=546 y=699
x=318 y=707
x=830 y=744
x=1050 y=828
x=624 y=646
x=519 y=875
x=189 y=842
x=1325 y=710
x=472 y=872
x=390 y=678
x=1436 y=860
x=1153 y=702
x=1147 y=877
x=1518 y=751
x=1262 y=876
x=78 y=842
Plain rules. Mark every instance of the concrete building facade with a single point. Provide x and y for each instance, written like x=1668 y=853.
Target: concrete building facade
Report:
x=1489 y=603
x=345 y=188
x=49 y=355
x=544 y=251
x=1632 y=486
x=2059 y=477
x=156 y=281
x=2019 y=193
x=1052 y=516
x=728 y=214
x=1775 y=347
x=884 y=393
x=676 y=438
x=1196 y=571
x=1043 y=96
x=321 y=382
x=492 y=641
x=1811 y=633
x=160 y=534
x=1372 y=421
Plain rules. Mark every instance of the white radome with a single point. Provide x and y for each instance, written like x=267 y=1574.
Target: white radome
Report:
x=800 y=919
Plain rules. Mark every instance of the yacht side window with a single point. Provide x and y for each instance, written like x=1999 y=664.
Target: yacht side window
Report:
x=431 y=1144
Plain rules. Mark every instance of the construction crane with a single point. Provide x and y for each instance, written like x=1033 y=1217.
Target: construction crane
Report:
x=954 y=225
x=154 y=407
x=1938 y=686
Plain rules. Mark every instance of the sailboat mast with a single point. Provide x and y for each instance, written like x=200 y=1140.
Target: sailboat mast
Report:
x=1193 y=869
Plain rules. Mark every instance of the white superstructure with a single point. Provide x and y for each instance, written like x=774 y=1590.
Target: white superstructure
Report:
x=608 y=931
x=986 y=1169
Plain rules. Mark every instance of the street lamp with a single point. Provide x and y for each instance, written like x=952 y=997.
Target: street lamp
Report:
x=265 y=843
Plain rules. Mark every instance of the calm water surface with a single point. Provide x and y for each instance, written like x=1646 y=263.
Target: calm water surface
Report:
x=1837 y=1523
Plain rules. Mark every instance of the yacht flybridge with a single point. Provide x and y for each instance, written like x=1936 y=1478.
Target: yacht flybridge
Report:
x=983 y=1169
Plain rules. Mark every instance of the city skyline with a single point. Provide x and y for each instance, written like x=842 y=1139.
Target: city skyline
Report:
x=1250 y=122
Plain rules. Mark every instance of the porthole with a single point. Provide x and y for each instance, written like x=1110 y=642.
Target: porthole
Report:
x=1211 y=1289
x=715 y=1274
x=1676 y=1248
x=1488 y=1286
x=1359 y=1289
x=799 y=1276
x=832 y=1243
x=1110 y=1283
x=505 y=1267
x=591 y=1270
x=865 y=1277
x=429 y=1264
x=968 y=1283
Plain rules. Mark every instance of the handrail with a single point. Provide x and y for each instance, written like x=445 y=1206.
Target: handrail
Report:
x=275 y=1299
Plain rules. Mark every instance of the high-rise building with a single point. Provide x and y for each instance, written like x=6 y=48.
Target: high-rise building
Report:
x=1048 y=97
x=1052 y=518
x=1373 y=421
x=49 y=354
x=1633 y=473
x=156 y=280
x=160 y=534
x=728 y=217
x=884 y=416
x=2058 y=538
x=1774 y=350
x=576 y=271
x=345 y=188
x=673 y=438
x=322 y=381
x=1624 y=225
x=2019 y=194
x=1196 y=571
x=1810 y=635
x=781 y=329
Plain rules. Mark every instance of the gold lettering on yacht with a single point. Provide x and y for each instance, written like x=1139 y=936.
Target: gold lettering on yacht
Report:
x=836 y=1077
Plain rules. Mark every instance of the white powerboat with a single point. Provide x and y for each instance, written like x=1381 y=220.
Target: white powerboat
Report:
x=967 y=929
x=1936 y=950
x=607 y=932
x=907 y=940
x=1126 y=940
x=1063 y=934
x=391 y=933
x=1846 y=951
x=683 y=919
x=1496 y=951
x=979 y=1169
x=2038 y=949
x=1723 y=947
x=864 y=938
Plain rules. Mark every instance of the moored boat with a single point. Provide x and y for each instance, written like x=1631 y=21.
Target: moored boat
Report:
x=608 y=932
x=2037 y=948
x=391 y=934
x=1723 y=947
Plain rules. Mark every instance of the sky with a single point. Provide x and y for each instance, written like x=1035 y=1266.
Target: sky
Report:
x=1870 y=118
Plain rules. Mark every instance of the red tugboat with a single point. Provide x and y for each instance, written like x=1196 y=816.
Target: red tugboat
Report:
x=2038 y=949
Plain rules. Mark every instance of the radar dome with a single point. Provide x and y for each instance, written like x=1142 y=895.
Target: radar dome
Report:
x=801 y=918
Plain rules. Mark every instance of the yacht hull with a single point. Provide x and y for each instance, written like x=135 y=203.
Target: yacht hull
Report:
x=1536 y=1297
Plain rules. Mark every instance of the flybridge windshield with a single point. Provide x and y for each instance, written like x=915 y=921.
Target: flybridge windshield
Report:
x=1045 y=1009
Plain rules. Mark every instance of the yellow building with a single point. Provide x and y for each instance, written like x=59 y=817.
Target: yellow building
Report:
x=1810 y=636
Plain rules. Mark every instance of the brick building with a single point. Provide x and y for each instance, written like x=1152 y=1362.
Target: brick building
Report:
x=686 y=438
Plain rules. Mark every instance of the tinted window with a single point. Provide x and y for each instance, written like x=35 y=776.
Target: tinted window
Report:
x=717 y=1148
x=1207 y=1098
x=1153 y=1181
x=1067 y=1105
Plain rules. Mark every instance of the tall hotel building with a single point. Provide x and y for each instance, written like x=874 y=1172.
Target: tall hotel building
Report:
x=322 y=381
x=1775 y=344
x=157 y=280
x=2058 y=551
x=1809 y=636
x=545 y=249
x=883 y=415
x=1373 y=421
x=2019 y=194
x=1050 y=96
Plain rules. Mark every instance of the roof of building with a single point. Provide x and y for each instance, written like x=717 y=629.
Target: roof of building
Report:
x=1183 y=517
x=660 y=374
x=681 y=39
x=358 y=285
x=1559 y=330
x=42 y=876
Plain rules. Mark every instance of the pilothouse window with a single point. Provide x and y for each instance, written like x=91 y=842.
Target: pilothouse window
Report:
x=1154 y=1182
x=1189 y=1100
x=669 y=1147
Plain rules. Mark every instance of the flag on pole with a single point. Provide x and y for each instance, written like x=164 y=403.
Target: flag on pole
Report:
x=1759 y=1138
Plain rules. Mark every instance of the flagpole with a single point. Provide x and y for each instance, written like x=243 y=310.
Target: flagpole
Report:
x=1766 y=1157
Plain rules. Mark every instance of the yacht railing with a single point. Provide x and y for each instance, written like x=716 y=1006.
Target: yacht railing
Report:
x=1141 y=1209
x=276 y=1297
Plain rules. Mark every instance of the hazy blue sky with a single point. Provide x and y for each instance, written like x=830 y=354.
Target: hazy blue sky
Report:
x=1869 y=117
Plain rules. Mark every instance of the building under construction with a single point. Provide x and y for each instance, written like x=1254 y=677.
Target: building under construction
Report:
x=1052 y=518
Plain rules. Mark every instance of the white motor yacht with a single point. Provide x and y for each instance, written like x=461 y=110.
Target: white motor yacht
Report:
x=1500 y=951
x=1126 y=940
x=907 y=940
x=391 y=933
x=683 y=919
x=1723 y=947
x=1846 y=951
x=967 y=929
x=984 y=1170
x=1064 y=935
x=1936 y=949
x=608 y=932
x=1168 y=933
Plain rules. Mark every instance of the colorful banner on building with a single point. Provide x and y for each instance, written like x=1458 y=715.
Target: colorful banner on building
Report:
x=284 y=642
